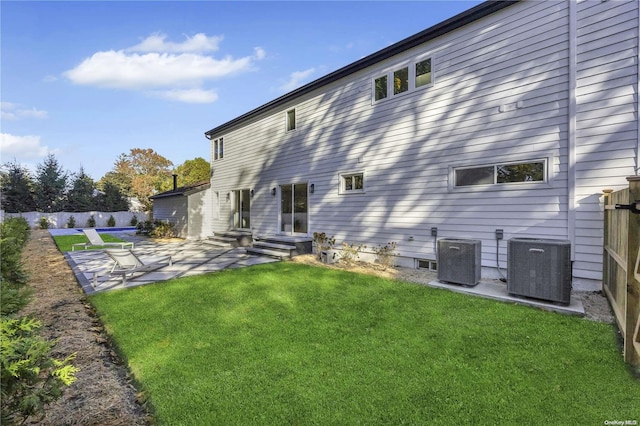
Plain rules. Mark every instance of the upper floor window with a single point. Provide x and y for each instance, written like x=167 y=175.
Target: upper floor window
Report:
x=218 y=149
x=534 y=171
x=403 y=79
x=291 y=120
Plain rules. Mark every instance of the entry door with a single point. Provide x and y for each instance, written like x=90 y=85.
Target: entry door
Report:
x=242 y=209
x=294 y=215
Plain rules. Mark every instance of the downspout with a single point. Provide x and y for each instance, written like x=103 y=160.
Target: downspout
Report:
x=571 y=136
x=638 y=88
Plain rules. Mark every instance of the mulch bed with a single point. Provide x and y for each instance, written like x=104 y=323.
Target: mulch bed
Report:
x=103 y=394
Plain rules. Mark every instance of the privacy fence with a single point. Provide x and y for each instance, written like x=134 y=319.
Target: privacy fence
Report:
x=621 y=263
x=61 y=219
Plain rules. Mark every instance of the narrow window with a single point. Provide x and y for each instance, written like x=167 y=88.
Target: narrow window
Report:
x=401 y=80
x=291 y=120
x=215 y=149
x=475 y=176
x=380 y=88
x=221 y=148
x=423 y=73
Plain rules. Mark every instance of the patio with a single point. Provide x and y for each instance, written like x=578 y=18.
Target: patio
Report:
x=188 y=258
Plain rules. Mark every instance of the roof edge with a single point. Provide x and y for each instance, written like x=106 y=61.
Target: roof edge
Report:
x=464 y=18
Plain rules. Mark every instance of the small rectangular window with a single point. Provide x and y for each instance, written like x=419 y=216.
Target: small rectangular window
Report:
x=221 y=148
x=215 y=149
x=380 y=88
x=401 y=80
x=423 y=73
x=291 y=120
x=351 y=182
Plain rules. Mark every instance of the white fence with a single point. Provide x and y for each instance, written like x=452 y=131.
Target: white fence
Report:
x=61 y=219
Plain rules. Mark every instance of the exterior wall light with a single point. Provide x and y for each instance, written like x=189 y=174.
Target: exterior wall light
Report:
x=273 y=192
x=312 y=188
x=252 y=192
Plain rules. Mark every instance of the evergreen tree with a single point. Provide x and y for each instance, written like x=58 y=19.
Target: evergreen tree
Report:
x=81 y=195
x=111 y=199
x=51 y=183
x=16 y=186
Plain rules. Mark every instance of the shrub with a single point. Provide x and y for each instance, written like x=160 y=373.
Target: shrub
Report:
x=156 y=229
x=386 y=254
x=91 y=222
x=14 y=233
x=30 y=378
x=323 y=242
x=350 y=252
x=111 y=222
x=44 y=223
x=71 y=223
x=134 y=220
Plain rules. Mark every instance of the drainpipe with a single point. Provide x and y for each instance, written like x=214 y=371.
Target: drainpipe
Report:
x=175 y=181
x=572 y=125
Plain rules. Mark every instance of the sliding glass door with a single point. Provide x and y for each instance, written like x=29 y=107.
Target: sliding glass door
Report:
x=294 y=215
x=242 y=209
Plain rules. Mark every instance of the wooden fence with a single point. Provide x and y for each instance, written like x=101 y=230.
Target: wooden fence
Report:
x=621 y=264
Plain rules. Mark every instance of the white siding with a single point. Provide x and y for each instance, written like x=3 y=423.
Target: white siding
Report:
x=172 y=210
x=607 y=127
x=408 y=145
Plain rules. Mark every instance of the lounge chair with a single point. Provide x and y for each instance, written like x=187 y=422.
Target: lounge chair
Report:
x=96 y=241
x=126 y=263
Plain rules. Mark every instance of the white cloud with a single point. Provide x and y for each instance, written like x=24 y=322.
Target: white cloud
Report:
x=179 y=70
x=296 y=79
x=11 y=111
x=21 y=147
x=193 y=96
x=198 y=43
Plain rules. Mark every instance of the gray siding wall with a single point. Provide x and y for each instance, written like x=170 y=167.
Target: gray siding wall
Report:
x=606 y=116
x=172 y=210
x=408 y=145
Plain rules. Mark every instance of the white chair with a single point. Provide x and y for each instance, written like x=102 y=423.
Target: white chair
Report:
x=126 y=263
x=95 y=240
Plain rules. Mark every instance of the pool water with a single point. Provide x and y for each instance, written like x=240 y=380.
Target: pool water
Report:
x=76 y=231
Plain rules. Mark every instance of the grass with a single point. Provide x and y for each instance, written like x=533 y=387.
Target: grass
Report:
x=65 y=242
x=287 y=343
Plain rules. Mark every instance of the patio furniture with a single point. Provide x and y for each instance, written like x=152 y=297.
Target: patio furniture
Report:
x=125 y=262
x=95 y=240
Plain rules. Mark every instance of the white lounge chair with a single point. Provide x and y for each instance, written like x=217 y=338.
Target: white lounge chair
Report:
x=126 y=263
x=95 y=240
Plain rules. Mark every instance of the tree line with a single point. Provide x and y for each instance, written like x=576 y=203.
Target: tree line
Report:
x=137 y=175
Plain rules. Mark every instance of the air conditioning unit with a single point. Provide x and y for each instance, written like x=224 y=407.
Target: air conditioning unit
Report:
x=459 y=261
x=539 y=268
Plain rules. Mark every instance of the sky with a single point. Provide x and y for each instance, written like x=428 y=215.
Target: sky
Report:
x=88 y=81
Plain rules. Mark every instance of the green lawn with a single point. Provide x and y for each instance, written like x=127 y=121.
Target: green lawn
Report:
x=65 y=242
x=286 y=343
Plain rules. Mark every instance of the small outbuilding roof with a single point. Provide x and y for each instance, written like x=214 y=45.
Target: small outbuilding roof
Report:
x=453 y=23
x=184 y=190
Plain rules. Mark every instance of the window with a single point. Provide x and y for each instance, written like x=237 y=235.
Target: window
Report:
x=291 y=120
x=351 y=183
x=415 y=75
x=381 y=87
x=218 y=149
x=430 y=265
x=401 y=80
x=533 y=171
x=423 y=73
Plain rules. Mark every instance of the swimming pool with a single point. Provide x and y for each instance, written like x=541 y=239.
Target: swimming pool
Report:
x=76 y=231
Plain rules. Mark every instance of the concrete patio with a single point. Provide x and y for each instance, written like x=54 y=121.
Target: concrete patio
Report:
x=188 y=258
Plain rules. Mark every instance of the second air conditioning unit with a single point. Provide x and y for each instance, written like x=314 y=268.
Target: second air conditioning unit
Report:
x=539 y=268
x=459 y=261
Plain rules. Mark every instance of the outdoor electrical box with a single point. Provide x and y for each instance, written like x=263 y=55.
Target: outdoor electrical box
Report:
x=540 y=269
x=459 y=261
